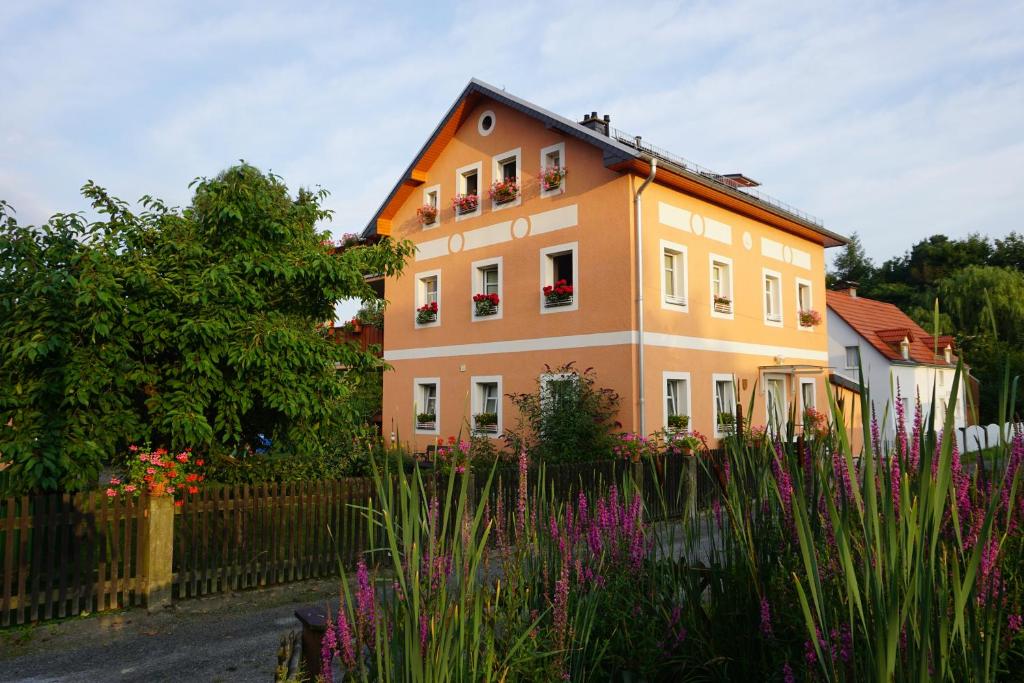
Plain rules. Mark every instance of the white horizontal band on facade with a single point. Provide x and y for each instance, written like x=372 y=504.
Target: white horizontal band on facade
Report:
x=574 y=341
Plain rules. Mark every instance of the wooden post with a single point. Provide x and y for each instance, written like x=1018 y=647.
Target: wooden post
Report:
x=157 y=551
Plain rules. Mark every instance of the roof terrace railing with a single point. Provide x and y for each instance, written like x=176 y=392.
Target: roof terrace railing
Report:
x=637 y=143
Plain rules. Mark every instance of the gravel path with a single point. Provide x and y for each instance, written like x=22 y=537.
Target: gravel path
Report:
x=224 y=638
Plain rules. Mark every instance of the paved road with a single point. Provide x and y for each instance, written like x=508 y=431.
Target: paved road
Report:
x=225 y=638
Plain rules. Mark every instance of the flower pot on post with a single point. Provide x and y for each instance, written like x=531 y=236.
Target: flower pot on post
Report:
x=157 y=535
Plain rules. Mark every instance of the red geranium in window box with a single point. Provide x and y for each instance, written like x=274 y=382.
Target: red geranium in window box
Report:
x=427 y=313
x=486 y=304
x=559 y=294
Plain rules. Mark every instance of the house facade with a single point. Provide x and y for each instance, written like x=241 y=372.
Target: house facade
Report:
x=895 y=355
x=682 y=288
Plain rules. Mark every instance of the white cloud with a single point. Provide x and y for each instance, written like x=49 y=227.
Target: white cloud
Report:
x=871 y=115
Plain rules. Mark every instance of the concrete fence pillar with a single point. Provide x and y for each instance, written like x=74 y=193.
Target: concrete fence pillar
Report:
x=157 y=551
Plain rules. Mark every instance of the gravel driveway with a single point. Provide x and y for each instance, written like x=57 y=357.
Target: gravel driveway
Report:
x=224 y=638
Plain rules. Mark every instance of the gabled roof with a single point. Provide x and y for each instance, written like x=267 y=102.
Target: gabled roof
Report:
x=884 y=326
x=619 y=153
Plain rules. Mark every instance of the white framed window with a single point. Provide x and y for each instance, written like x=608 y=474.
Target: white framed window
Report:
x=808 y=389
x=722 y=302
x=469 y=181
x=559 y=263
x=485 y=124
x=487 y=403
x=557 y=387
x=553 y=157
x=852 y=357
x=804 y=302
x=673 y=277
x=677 y=399
x=427 y=404
x=775 y=403
x=487 y=278
x=508 y=166
x=772 y=284
x=723 y=404
x=428 y=294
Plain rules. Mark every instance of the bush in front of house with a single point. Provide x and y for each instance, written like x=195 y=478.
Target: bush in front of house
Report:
x=568 y=418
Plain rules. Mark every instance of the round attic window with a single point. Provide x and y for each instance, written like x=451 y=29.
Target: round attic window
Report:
x=486 y=123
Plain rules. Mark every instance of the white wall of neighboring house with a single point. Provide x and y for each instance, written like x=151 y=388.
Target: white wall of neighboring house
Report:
x=881 y=376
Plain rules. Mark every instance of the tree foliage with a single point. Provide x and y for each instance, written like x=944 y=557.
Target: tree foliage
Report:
x=198 y=328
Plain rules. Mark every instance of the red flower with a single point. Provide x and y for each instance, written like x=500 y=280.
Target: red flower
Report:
x=179 y=503
x=193 y=489
x=200 y=463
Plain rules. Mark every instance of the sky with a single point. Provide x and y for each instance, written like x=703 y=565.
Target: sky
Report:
x=892 y=120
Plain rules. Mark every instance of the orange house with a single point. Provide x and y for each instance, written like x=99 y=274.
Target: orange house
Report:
x=683 y=288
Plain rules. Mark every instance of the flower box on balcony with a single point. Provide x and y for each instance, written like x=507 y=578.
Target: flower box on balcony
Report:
x=559 y=294
x=810 y=318
x=465 y=203
x=504 y=191
x=723 y=304
x=485 y=304
x=426 y=421
x=427 y=214
x=726 y=422
x=486 y=422
x=551 y=178
x=427 y=313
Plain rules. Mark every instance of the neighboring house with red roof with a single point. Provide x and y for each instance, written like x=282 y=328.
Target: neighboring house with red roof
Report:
x=891 y=348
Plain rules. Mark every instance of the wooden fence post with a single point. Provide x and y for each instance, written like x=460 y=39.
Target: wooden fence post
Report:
x=157 y=551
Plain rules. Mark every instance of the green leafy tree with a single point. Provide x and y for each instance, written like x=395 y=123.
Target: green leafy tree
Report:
x=852 y=264
x=201 y=327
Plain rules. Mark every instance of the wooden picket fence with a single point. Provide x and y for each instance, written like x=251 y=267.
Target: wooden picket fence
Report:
x=229 y=538
x=65 y=554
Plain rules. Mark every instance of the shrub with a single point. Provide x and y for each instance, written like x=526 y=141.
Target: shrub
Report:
x=568 y=418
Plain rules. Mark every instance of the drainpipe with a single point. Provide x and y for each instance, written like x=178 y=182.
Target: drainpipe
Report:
x=637 y=206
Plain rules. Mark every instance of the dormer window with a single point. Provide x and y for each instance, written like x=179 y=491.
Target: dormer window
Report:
x=905 y=348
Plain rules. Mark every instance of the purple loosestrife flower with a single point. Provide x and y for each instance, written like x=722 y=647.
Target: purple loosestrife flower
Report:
x=424 y=632
x=365 y=603
x=990 y=582
x=895 y=483
x=346 y=639
x=1015 y=622
x=521 y=503
x=1016 y=459
x=560 y=609
x=901 y=424
x=784 y=482
x=842 y=473
x=915 y=437
x=787 y=674
x=716 y=508
x=328 y=646
x=876 y=435
x=766 y=619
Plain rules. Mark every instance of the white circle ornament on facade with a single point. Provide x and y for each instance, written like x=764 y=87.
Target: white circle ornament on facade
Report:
x=697 y=224
x=748 y=241
x=485 y=124
x=455 y=243
x=787 y=254
x=520 y=228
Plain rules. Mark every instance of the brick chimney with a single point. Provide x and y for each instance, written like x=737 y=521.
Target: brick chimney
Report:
x=600 y=125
